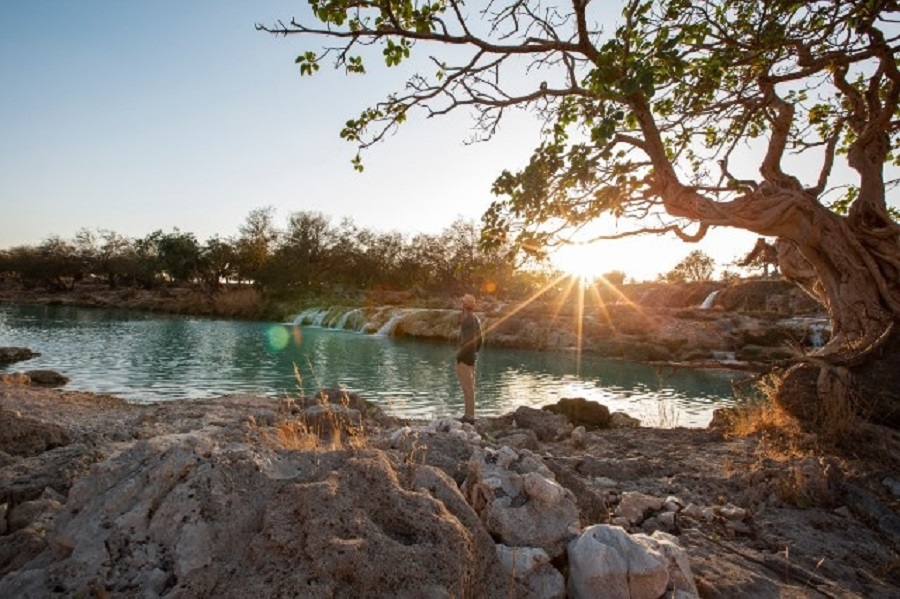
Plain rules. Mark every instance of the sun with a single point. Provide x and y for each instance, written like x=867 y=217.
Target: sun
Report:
x=586 y=262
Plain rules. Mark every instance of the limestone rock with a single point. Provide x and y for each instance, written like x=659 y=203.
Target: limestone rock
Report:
x=531 y=568
x=606 y=562
x=634 y=507
x=519 y=500
x=546 y=426
x=184 y=516
x=22 y=436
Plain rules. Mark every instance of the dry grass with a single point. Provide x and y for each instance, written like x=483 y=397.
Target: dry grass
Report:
x=329 y=427
x=780 y=434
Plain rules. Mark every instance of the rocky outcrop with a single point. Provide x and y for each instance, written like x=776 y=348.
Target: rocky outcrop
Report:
x=205 y=498
x=9 y=355
x=184 y=516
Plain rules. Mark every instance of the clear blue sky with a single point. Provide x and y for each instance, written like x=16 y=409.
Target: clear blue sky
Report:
x=137 y=116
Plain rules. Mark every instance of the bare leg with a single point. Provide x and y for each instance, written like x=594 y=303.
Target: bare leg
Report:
x=466 y=376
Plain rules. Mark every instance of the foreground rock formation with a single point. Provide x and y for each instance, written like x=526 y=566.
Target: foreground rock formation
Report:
x=241 y=496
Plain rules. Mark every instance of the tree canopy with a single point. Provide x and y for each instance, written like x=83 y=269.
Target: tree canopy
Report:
x=675 y=116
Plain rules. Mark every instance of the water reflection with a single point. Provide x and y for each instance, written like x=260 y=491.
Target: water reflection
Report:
x=146 y=357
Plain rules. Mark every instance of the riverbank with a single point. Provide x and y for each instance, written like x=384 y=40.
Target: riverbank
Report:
x=244 y=495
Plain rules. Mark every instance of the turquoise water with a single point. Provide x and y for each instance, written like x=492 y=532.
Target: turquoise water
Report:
x=149 y=357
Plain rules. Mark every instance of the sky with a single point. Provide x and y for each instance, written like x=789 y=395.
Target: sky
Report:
x=139 y=116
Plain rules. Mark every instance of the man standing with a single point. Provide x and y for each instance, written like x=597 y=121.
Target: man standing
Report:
x=469 y=344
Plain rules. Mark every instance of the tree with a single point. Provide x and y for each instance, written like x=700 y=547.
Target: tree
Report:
x=615 y=277
x=697 y=266
x=256 y=241
x=217 y=261
x=648 y=119
x=301 y=260
x=179 y=256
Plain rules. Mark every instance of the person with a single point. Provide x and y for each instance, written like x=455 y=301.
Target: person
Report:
x=469 y=344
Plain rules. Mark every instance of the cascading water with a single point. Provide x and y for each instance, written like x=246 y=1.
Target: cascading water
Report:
x=817 y=334
x=708 y=302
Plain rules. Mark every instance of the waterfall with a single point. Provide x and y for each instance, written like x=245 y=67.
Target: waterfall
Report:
x=311 y=316
x=708 y=302
x=387 y=329
x=342 y=323
x=817 y=334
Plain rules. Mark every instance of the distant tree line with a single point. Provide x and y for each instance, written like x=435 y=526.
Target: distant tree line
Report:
x=308 y=256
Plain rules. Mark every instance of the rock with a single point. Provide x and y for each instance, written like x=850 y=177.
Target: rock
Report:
x=733 y=512
x=604 y=561
x=445 y=451
x=4 y=509
x=623 y=420
x=581 y=412
x=193 y=517
x=22 y=436
x=8 y=355
x=353 y=401
x=546 y=426
x=816 y=481
x=15 y=378
x=681 y=580
x=519 y=500
x=326 y=420
x=28 y=512
x=531 y=568
x=519 y=438
x=579 y=437
x=47 y=378
x=892 y=485
x=634 y=507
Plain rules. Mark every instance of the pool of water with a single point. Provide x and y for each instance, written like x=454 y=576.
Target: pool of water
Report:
x=150 y=357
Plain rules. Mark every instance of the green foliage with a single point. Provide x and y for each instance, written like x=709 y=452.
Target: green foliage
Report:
x=637 y=113
x=309 y=256
x=697 y=266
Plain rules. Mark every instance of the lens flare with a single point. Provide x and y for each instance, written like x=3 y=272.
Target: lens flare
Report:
x=277 y=337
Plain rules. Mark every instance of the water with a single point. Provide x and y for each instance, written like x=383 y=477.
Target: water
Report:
x=149 y=357
x=708 y=302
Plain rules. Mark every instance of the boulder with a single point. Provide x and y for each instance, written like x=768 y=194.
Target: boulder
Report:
x=8 y=355
x=519 y=500
x=531 y=568
x=547 y=426
x=634 y=506
x=581 y=412
x=604 y=561
x=47 y=378
x=623 y=420
x=181 y=515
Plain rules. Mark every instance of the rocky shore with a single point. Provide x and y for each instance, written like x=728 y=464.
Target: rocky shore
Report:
x=247 y=496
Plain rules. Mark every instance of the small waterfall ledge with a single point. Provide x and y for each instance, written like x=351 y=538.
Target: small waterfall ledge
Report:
x=386 y=321
x=708 y=302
